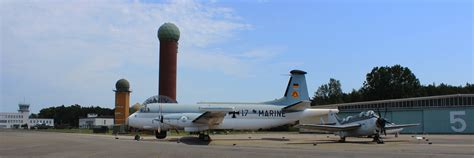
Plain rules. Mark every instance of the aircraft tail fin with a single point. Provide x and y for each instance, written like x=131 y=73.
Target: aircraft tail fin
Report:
x=333 y=118
x=296 y=90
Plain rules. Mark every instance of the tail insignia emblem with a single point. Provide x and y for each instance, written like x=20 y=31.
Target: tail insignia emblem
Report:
x=295 y=94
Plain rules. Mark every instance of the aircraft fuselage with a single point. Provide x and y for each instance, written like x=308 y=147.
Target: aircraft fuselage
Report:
x=244 y=116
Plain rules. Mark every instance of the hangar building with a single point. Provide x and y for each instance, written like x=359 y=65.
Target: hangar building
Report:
x=444 y=114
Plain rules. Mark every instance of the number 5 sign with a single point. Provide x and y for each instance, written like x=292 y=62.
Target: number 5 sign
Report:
x=454 y=118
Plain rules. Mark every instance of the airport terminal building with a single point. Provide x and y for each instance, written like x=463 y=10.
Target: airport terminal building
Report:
x=444 y=114
x=21 y=118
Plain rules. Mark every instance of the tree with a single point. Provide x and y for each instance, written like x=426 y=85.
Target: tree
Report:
x=69 y=116
x=329 y=93
x=135 y=108
x=390 y=83
x=33 y=115
x=385 y=83
x=335 y=91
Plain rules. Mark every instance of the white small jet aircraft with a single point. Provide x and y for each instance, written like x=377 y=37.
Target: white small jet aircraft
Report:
x=202 y=117
x=365 y=124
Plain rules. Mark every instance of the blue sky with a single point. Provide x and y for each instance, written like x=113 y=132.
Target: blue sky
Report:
x=73 y=52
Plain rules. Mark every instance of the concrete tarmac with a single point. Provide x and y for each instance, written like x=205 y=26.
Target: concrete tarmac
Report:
x=21 y=143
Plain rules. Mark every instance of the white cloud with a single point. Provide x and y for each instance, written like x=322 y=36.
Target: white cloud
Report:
x=65 y=45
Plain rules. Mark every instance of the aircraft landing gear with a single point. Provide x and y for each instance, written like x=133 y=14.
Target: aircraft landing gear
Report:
x=378 y=139
x=342 y=140
x=204 y=137
x=137 y=135
x=160 y=135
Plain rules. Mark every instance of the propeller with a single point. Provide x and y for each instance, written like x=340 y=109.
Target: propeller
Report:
x=382 y=122
x=160 y=119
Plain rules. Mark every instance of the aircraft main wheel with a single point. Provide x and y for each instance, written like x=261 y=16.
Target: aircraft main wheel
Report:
x=380 y=141
x=342 y=140
x=160 y=135
x=137 y=137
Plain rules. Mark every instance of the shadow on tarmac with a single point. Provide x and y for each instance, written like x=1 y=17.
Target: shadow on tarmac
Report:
x=346 y=142
x=190 y=141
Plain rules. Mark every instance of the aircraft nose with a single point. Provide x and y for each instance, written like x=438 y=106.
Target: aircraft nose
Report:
x=131 y=120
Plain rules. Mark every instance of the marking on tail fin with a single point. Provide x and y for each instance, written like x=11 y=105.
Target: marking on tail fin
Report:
x=295 y=94
x=296 y=85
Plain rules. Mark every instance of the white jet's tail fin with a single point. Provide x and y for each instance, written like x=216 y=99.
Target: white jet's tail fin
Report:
x=296 y=90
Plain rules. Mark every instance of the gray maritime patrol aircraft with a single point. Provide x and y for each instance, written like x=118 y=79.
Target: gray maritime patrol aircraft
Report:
x=365 y=124
x=202 y=117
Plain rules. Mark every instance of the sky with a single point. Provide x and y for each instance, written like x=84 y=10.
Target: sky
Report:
x=72 y=52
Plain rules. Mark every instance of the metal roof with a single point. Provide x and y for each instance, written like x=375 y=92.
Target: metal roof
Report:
x=395 y=100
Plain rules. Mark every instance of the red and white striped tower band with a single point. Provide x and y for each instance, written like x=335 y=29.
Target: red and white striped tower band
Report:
x=168 y=34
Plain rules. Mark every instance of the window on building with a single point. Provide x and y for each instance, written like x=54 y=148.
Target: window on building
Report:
x=105 y=122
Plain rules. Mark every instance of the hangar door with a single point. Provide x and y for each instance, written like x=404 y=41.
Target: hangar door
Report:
x=408 y=117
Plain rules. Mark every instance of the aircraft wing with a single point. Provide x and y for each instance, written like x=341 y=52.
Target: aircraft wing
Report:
x=212 y=115
x=330 y=128
x=299 y=106
x=389 y=127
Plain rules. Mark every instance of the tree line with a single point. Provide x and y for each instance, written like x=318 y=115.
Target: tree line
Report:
x=381 y=83
x=387 y=82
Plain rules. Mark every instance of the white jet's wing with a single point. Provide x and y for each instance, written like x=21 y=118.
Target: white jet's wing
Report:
x=212 y=115
x=395 y=126
x=330 y=128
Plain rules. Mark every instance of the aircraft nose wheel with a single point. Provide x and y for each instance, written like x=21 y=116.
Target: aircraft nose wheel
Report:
x=378 y=139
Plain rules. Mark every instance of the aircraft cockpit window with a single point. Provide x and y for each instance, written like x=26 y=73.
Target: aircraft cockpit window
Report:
x=144 y=109
x=370 y=113
x=347 y=119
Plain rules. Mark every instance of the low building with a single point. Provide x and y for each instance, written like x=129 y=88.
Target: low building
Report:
x=93 y=120
x=41 y=121
x=20 y=119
